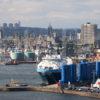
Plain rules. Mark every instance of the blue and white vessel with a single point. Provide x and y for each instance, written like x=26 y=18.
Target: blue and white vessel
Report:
x=49 y=68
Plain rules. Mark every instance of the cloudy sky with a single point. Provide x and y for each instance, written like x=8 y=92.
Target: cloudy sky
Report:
x=59 y=13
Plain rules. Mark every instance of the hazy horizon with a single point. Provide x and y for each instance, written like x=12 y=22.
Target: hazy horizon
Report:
x=58 y=13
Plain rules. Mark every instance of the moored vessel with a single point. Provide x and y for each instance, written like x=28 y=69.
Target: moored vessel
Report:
x=49 y=68
x=17 y=55
x=29 y=55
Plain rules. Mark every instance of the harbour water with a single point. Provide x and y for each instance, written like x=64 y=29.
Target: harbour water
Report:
x=26 y=73
x=39 y=96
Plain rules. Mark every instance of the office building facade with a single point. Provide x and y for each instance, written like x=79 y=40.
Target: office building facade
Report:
x=88 y=32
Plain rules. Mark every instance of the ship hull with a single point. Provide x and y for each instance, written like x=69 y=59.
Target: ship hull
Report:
x=11 y=63
x=50 y=77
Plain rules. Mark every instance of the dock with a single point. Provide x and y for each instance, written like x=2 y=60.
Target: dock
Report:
x=49 y=89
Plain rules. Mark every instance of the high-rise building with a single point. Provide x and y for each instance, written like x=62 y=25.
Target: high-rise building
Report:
x=17 y=25
x=4 y=25
x=88 y=32
x=10 y=25
x=1 y=33
x=50 y=30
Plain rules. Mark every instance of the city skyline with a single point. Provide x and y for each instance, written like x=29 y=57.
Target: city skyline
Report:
x=58 y=13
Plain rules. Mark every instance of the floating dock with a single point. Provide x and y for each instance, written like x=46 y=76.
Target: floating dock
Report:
x=50 y=89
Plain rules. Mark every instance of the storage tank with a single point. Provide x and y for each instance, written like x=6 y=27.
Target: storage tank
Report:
x=30 y=56
x=98 y=69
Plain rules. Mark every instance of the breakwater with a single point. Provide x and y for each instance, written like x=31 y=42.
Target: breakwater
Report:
x=50 y=89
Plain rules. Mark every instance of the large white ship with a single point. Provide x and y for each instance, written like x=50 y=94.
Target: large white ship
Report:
x=49 y=68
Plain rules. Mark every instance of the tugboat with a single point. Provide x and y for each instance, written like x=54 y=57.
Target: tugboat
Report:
x=49 y=68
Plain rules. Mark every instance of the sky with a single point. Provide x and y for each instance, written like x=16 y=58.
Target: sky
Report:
x=58 y=13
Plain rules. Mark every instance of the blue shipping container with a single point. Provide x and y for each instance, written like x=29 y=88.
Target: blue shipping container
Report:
x=64 y=74
x=85 y=71
x=72 y=73
x=91 y=67
x=68 y=73
x=98 y=69
x=81 y=71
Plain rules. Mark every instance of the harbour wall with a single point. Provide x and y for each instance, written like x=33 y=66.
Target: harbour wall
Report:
x=50 y=89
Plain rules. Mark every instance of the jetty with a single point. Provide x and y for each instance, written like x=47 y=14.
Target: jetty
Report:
x=50 y=89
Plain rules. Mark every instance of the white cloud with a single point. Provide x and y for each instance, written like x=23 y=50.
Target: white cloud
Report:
x=68 y=13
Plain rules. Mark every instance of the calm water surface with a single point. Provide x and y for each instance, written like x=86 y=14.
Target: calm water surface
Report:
x=26 y=73
x=39 y=96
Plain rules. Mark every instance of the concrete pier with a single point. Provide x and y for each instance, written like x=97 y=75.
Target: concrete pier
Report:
x=50 y=89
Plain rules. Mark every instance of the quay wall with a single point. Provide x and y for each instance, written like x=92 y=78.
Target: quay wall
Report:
x=50 y=89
